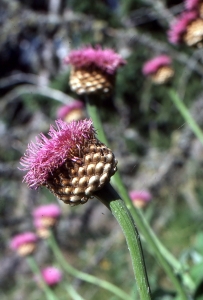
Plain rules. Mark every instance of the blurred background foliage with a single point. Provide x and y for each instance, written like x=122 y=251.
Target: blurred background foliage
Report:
x=156 y=150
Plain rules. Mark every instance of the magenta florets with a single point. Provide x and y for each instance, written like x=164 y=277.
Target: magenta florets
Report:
x=64 y=110
x=49 y=210
x=106 y=59
x=51 y=275
x=46 y=155
x=22 y=239
x=178 y=28
x=151 y=66
x=192 y=4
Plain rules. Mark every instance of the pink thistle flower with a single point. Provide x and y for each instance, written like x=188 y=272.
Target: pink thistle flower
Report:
x=106 y=59
x=140 y=198
x=72 y=163
x=24 y=243
x=51 y=276
x=48 y=210
x=42 y=158
x=192 y=4
x=74 y=110
x=179 y=28
x=153 y=65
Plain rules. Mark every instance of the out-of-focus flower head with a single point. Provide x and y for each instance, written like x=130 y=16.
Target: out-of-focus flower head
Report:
x=188 y=29
x=47 y=211
x=51 y=276
x=140 y=198
x=72 y=111
x=24 y=243
x=45 y=217
x=93 y=69
x=159 y=69
x=72 y=164
x=196 y=5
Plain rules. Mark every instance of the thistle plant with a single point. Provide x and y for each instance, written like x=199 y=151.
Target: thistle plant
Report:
x=75 y=166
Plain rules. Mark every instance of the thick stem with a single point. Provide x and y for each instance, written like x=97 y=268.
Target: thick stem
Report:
x=109 y=197
x=84 y=276
x=34 y=267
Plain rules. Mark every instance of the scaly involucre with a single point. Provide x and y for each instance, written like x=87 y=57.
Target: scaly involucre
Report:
x=106 y=59
x=46 y=155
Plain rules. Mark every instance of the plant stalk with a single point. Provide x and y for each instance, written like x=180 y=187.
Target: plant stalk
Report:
x=109 y=197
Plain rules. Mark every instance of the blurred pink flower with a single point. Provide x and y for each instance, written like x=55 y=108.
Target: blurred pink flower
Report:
x=192 y=4
x=51 y=275
x=24 y=243
x=152 y=66
x=64 y=110
x=140 y=198
x=106 y=59
x=48 y=210
x=179 y=27
x=46 y=155
x=22 y=239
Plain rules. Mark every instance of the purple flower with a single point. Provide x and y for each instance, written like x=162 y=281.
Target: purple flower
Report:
x=46 y=155
x=65 y=110
x=192 y=4
x=51 y=275
x=153 y=65
x=179 y=28
x=48 y=210
x=106 y=59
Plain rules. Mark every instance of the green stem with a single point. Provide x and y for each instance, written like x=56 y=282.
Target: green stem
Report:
x=165 y=258
x=109 y=197
x=186 y=115
x=83 y=276
x=72 y=292
x=34 y=267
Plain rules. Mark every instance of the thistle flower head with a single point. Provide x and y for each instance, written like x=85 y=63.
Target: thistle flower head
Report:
x=106 y=59
x=192 y=4
x=51 y=275
x=179 y=28
x=24 y=243
x=22 y=239
x=152 y=66
x=72 y=163
x=46 y=155
x=64 y=110
x=140 y=198
x=48 y=210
